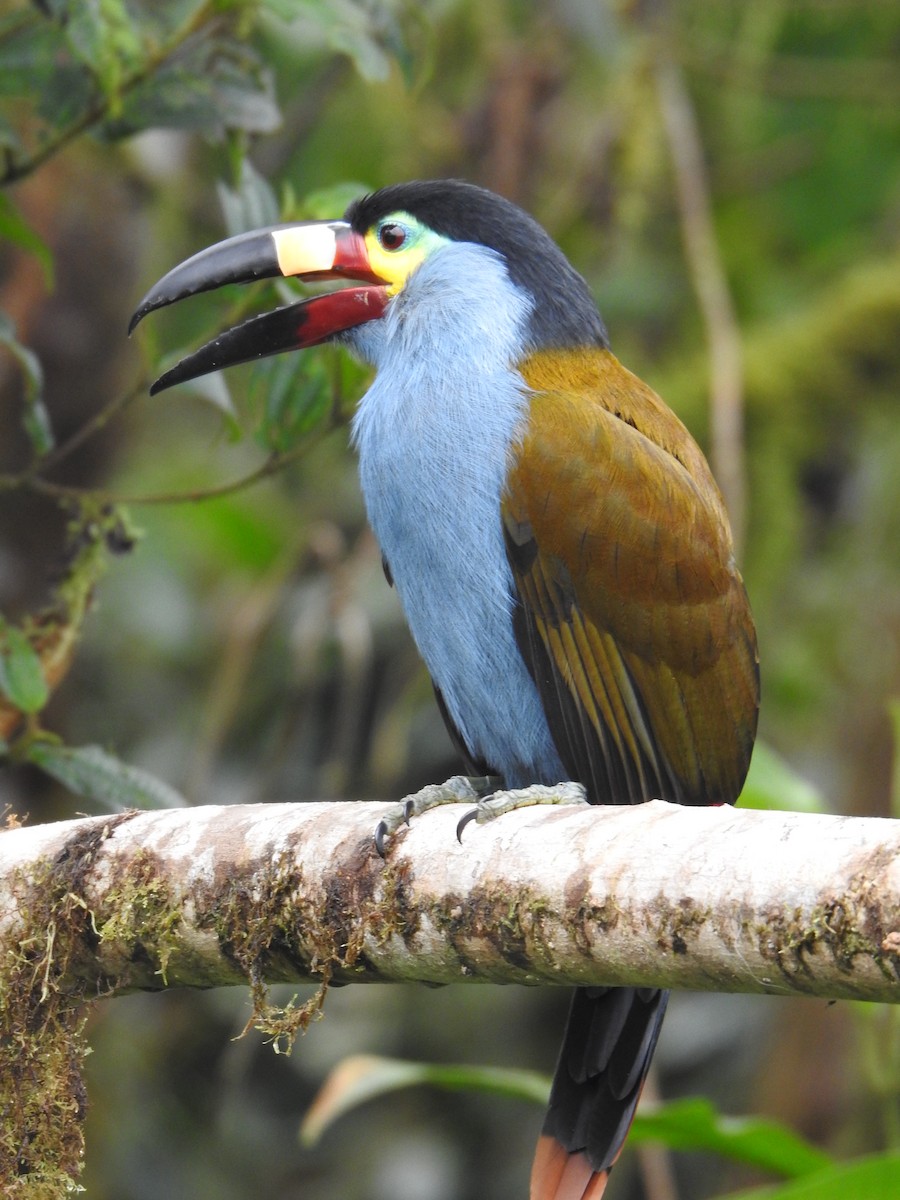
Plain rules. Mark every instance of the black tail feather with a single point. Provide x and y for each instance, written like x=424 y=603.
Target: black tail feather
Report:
x=609 y=1041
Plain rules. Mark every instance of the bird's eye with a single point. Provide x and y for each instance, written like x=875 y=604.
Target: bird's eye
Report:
x=392 y=235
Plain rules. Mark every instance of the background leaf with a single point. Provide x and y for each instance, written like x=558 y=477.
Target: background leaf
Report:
x=35 y=418
x=16 y=230
x=251 y=205
x=694 y=1124
x=94 y=774
x=691 y=1124
x=772 y=783
x=293 y=393
x=875 y=1178
x=21 y=675
x=363 y=1077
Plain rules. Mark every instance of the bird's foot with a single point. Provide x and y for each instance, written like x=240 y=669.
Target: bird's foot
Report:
x=456 y=790
x=503 y=802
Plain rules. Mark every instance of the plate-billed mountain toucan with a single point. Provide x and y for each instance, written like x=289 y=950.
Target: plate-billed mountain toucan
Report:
x=560 y=548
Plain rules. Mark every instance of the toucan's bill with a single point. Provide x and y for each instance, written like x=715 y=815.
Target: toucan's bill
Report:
x=312 y=250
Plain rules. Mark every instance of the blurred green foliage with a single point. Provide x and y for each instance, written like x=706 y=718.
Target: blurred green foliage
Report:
x=248 y=647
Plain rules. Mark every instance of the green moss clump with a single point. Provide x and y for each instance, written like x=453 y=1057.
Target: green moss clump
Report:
x=143 y=917
x=42 y=1043
x=255 y=921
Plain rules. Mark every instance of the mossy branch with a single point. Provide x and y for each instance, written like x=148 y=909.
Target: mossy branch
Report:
x=715 y=899
x=711 y=899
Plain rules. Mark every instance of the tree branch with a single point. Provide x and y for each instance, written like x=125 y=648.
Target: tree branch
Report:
x=713 y=899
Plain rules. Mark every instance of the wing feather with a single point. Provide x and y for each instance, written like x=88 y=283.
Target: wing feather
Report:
x=631 y=614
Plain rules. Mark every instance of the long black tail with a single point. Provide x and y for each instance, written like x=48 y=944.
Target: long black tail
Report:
x=610 y=1038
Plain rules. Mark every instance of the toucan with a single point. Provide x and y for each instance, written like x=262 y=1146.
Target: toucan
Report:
x=558 y=543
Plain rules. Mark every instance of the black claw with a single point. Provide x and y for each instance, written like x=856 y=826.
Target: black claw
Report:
x=465 y=820
x=381 y=831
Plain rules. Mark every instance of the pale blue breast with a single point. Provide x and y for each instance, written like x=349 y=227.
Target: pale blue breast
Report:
x=434 y=434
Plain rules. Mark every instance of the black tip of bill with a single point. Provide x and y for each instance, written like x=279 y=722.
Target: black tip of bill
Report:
x=256 y=338
x=294 y=327
x=241 y=259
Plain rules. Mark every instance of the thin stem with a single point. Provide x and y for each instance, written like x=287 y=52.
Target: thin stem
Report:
x=64 y=491
x=711 y=285
x=655 y=1161
x=97 y=422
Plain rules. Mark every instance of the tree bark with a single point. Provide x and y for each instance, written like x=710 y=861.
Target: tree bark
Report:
x=713 y=899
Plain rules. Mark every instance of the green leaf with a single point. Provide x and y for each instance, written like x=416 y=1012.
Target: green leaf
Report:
x=695 y=1124
x=15 y=229
x=65 y=95
x=214 y=85
x=362 y=1077
x=682 y=1125
x=213 y=388
x=181 y=97
x=245 y=99
x=324 y=204
x=294 y=394
x=102 y=35
x=21 y=675
x=251 y=204
x=773 y=784
x=365 y=33
x=35 y=417
x=875 y=1178
x=30 y=51
x=91 y=772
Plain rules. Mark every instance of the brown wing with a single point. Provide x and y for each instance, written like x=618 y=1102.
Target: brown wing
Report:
x=632 y=616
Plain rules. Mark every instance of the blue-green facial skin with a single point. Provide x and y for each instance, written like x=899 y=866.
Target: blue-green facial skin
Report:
x=417 y=242
x=435 y=434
